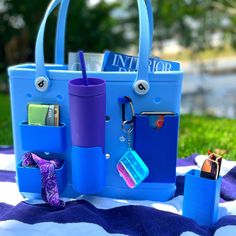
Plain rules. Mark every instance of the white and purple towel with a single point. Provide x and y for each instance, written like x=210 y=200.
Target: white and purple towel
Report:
x=95 y=216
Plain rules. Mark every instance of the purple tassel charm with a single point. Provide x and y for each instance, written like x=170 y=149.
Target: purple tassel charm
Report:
x=47 y=168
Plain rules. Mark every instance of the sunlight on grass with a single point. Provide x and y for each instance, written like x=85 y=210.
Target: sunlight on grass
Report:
x=201 y=133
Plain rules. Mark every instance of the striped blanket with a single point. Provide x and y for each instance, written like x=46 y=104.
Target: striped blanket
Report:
x=89 y=215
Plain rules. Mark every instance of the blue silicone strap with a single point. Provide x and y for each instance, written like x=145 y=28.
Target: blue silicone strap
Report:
x=144 y=40
x=151 y=22
x=61 y=28
x=39 y=48
x=144 y=47
x=60 y=34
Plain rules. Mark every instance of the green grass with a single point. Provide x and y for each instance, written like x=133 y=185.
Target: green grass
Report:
x=5 y=120
x=198 y=134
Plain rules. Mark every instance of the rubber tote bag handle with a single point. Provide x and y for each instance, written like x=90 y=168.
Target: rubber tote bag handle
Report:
x=141 y=84
x=61 y=29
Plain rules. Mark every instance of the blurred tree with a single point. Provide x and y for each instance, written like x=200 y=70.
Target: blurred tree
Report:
x=191 y=22
x=95 y=29
x=228 y=8
x=92 y=28
x=18 y=30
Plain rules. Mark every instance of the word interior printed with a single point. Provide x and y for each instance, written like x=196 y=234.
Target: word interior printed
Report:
x=121 y=62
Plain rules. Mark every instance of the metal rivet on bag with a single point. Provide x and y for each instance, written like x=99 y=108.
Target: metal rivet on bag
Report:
x=42 y=84
x=122 y=138
x=141 y=87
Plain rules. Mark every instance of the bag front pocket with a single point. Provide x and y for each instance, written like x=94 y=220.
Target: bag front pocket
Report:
x=43 y=138
x=29 y=178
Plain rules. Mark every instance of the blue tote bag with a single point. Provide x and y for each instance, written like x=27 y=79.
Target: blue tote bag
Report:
x=162 y=94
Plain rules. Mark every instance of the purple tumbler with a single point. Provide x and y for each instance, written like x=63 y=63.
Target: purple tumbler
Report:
x=87 y=115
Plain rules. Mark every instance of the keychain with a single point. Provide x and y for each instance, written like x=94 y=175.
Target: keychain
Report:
x=131 y=167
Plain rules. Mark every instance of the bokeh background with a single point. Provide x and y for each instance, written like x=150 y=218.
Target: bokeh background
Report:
x=201 y=34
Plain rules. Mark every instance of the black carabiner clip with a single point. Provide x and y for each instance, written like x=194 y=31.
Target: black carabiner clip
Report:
x=124 y=100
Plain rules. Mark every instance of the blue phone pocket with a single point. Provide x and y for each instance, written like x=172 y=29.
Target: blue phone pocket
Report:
x=157 y=146
x=201 y=198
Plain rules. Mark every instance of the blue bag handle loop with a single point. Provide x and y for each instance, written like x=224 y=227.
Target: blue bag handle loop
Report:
x=141 y=84
x=61 y=29
x=42 y=82
x=151 y=22
x=61 y=32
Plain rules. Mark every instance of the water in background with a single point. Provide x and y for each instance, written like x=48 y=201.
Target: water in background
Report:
x=209 y=94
